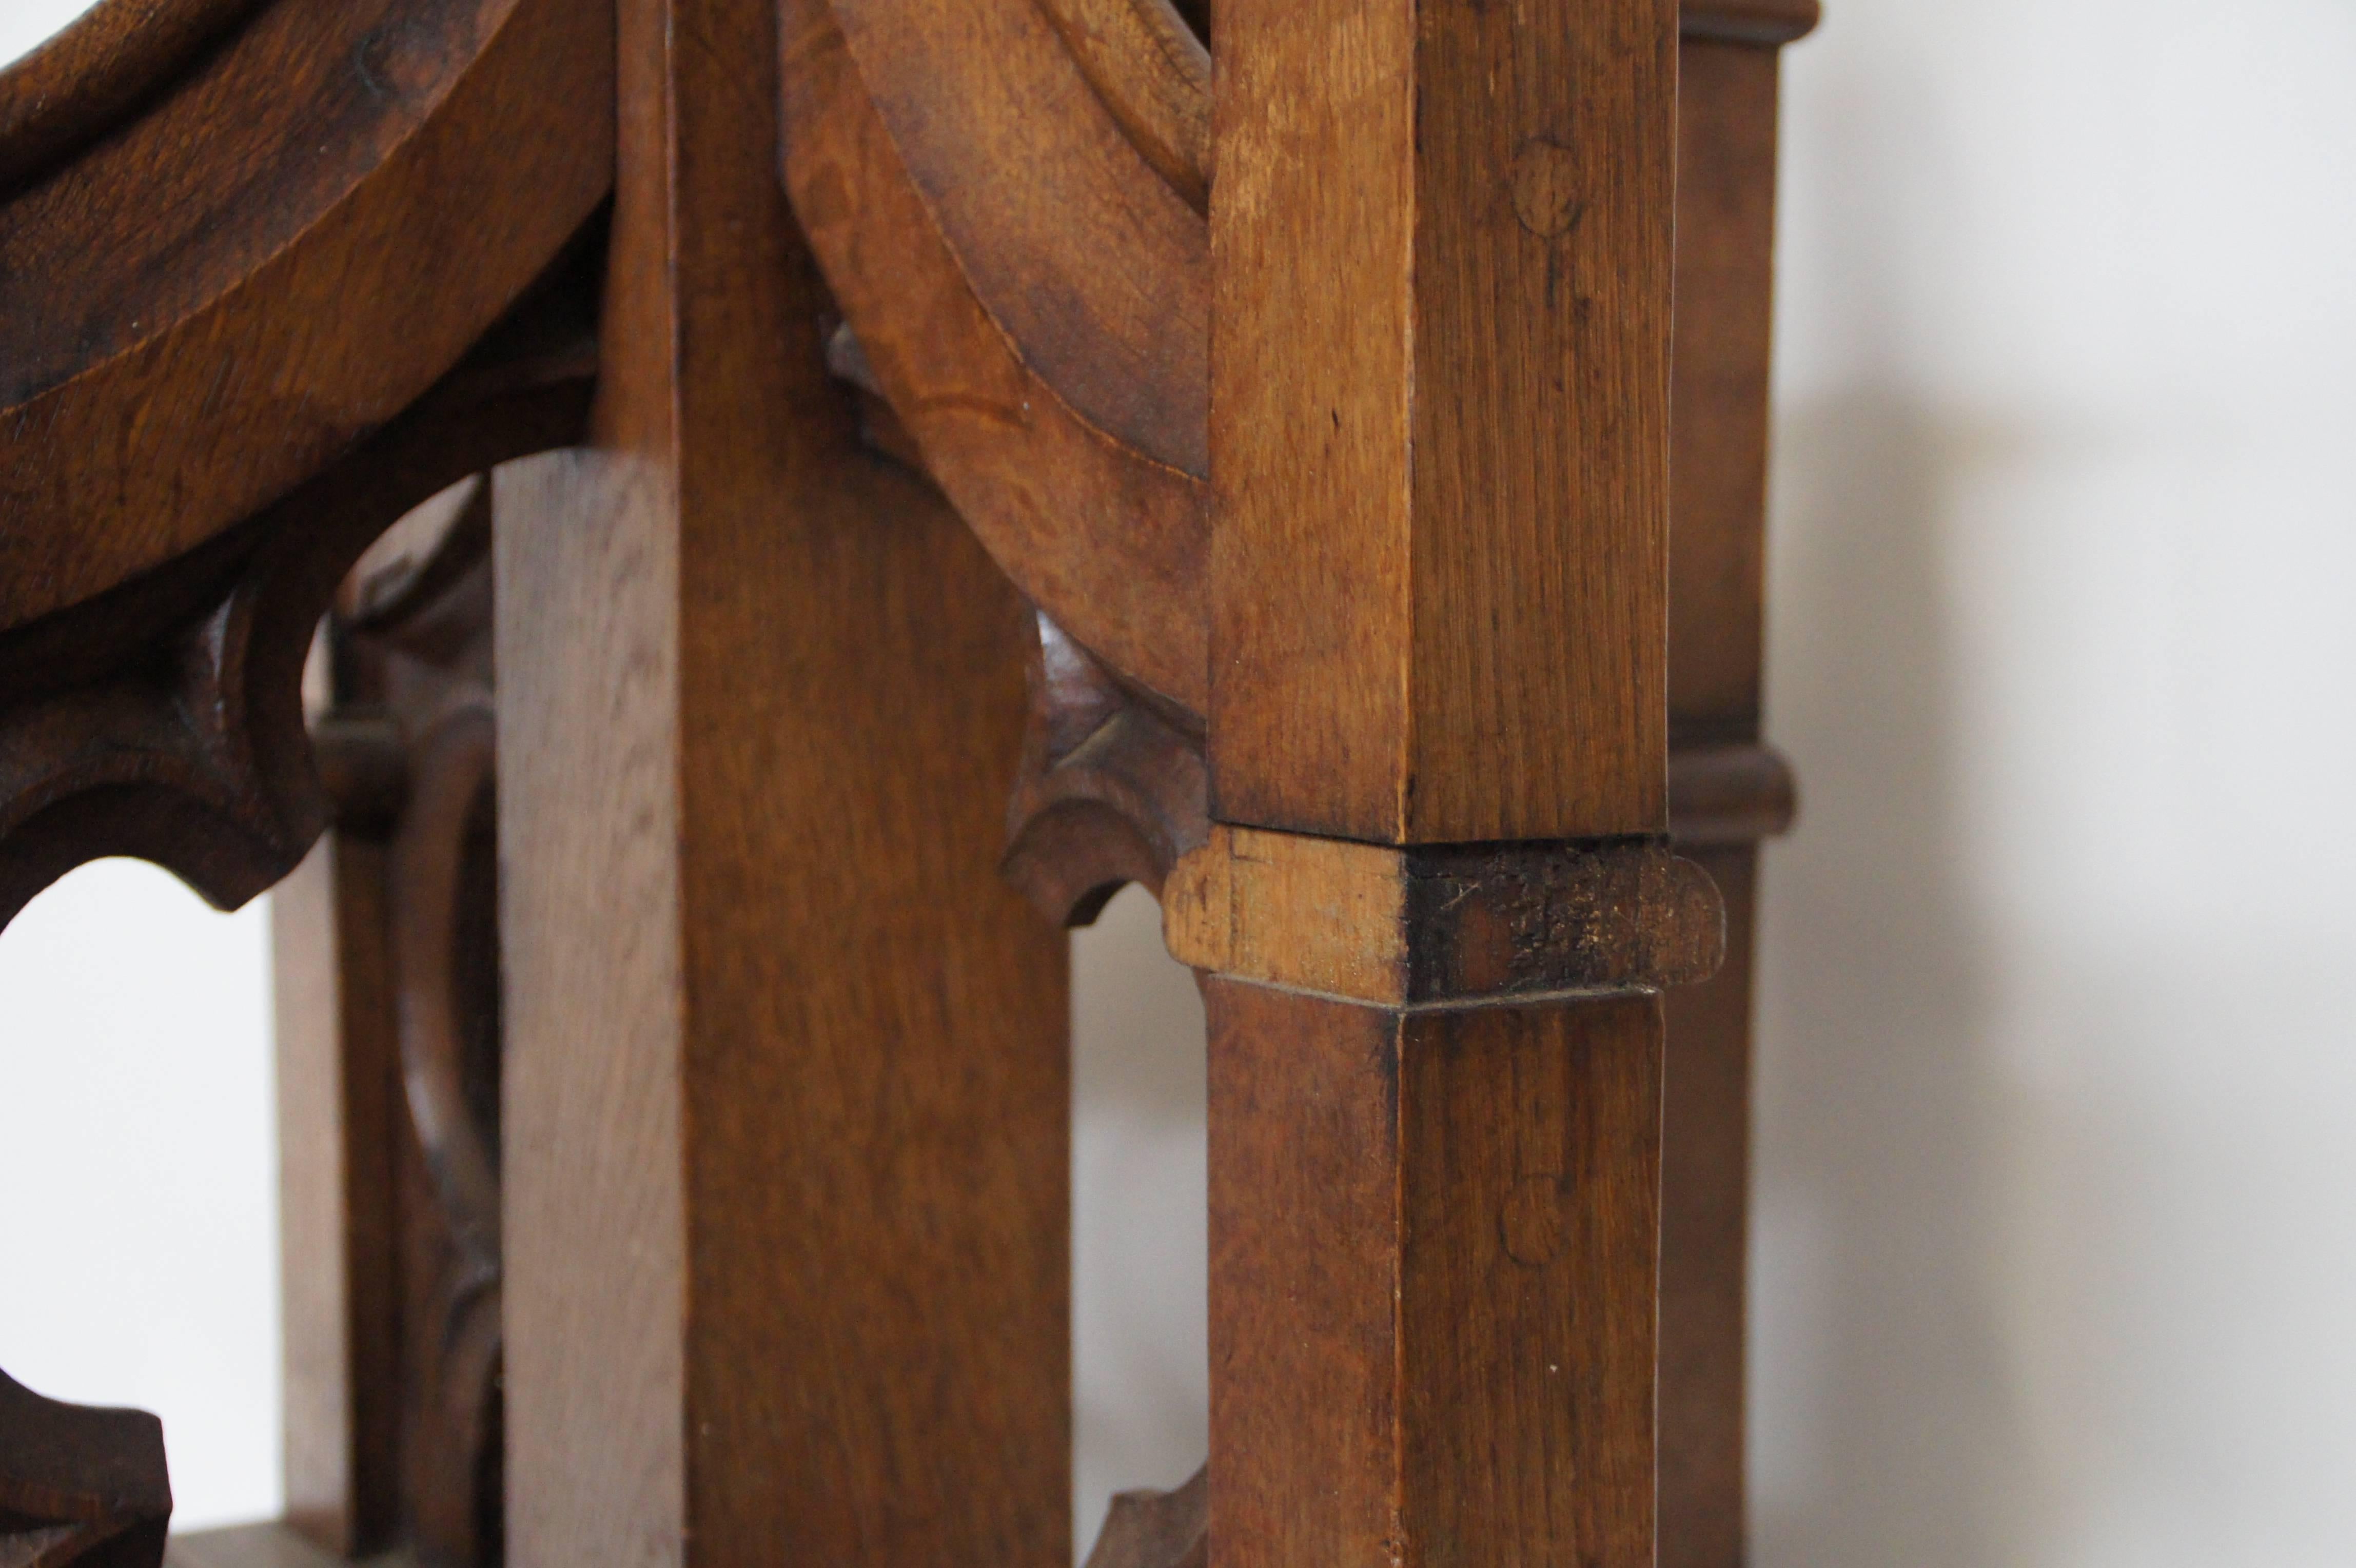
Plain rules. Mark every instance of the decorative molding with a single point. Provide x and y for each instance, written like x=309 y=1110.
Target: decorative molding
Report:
x=1448 y=926
x=164 y=719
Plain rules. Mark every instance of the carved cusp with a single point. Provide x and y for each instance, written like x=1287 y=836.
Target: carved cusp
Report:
x=1111 y=791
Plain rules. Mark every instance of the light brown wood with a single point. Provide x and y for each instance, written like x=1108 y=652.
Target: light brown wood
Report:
x=787 y=1096
x=1433 y=1238
x=1423 y=927
x=1033 y=477
x=1439 y=407
x=1154 y=73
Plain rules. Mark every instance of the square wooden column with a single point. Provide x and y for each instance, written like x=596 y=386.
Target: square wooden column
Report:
x=1437 y=921
x=787 y=1095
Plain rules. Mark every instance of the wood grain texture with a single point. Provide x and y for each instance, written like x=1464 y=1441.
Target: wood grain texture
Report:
x=81 y=80
x=1038 y=482
x=80 y=1487
x=1088 y=260
x=1152 y=71
x=1433 y=1246
x=339 y=1212
x=1704 y=1240
x=163 y=719
x=1441 y=927
x=215 y=303
x=1440 y=236
x=787 y=1087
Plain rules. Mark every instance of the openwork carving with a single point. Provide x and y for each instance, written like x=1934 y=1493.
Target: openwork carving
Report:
x=410 y=669
x=226 y=374
x=163 y=719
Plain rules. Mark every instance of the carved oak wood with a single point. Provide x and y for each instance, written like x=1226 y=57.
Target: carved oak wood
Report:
x=1409 y=742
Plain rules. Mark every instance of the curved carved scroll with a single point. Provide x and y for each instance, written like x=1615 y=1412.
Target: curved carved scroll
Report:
x=164 y=719
x=79 y=1485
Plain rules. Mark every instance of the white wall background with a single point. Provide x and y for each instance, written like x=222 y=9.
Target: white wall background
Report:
x=2056 y=1252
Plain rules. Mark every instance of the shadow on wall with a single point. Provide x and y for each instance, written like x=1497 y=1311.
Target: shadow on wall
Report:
x=1883 y=1429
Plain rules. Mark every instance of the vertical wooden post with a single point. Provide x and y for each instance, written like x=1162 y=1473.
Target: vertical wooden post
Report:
x=1732 y=791
x=1441 y=239
x=786 y=1104
x=339 y=1116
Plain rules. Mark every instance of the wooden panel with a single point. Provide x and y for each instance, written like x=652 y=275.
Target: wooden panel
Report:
x=1431 y=1282
x=1441 y=245
x=1704 y=1240
x=787 y=1085
x=1726 y=218
x=1731 y=791
x=338 y=1114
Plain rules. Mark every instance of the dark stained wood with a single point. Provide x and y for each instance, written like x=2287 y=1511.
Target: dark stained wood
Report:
x=1725 y=234
x=787 y=1093
x=1440 y=417
x=1158 y=1529
x=214 y=303
x=81 y=81
x=1749 y=21
x=1704 y=1240
x=79 y=1487
x=388 y=1014
x=1433 y=1239
x=1091 y=264
x=164 y=719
